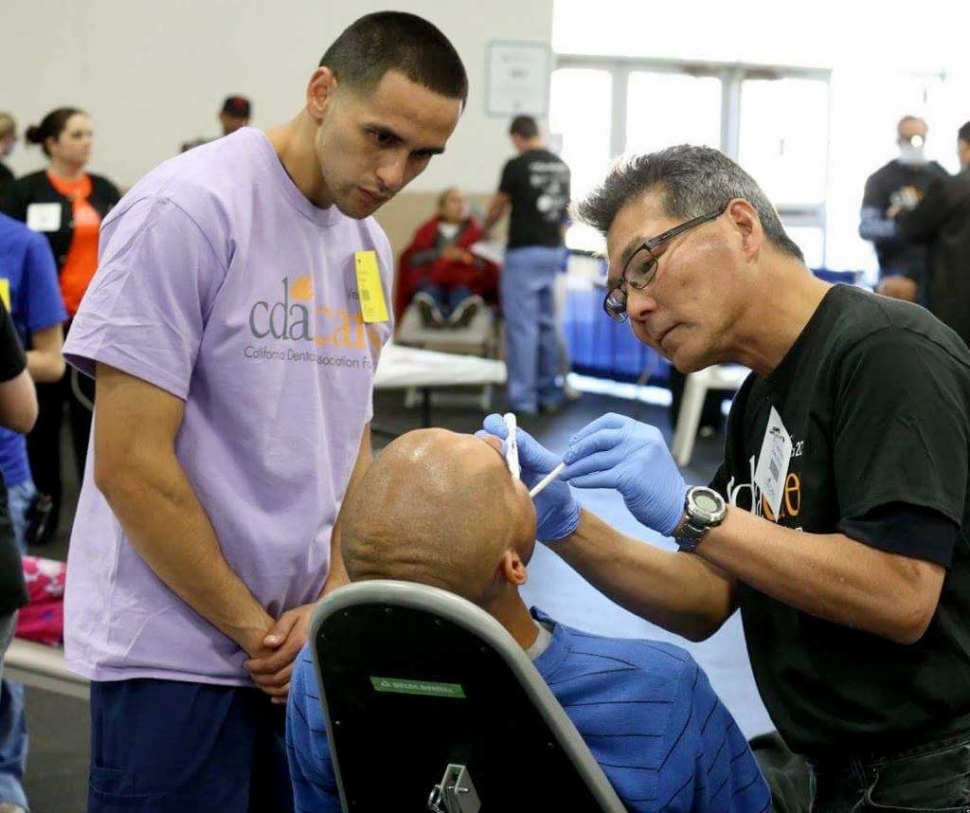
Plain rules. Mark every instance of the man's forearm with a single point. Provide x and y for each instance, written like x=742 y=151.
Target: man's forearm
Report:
x=876 y=227
x=496 y=209
x=45 y=367
x=169 y=529
x=676 y=591
x=827 y=575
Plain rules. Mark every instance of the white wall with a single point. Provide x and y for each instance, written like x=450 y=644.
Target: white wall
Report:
x=153 y=73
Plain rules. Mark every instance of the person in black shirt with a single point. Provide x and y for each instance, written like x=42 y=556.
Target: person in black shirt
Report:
x=942 y=220
x=18 y=411
x=891 y=189
x=838 y=520
x=535 y=186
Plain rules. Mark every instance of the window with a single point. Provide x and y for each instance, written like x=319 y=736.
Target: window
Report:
x=857 y=74
x=784 y=138
x=585 y=132
x=665 y=108
x=774 y=123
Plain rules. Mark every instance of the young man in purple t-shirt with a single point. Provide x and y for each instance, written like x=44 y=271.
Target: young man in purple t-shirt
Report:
x=234 y=326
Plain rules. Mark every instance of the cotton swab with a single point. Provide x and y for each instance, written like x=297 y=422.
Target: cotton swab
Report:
x=547 y=479
x=512 y=446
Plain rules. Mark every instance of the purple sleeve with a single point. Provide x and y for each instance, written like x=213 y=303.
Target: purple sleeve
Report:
x=147 y=306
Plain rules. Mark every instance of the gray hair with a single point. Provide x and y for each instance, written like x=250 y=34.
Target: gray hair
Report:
x=694 y=180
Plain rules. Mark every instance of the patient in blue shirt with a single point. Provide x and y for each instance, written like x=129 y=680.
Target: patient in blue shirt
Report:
x=441 y=509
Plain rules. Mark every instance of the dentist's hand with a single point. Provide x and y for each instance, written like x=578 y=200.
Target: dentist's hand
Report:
x=557 y=512
x=631 y=457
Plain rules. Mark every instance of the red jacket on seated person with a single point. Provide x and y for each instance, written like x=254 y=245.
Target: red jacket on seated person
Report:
x=439 y=254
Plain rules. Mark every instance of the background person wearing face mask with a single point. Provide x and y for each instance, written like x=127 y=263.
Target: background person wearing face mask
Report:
x=8 y=139
x=941 y=221
x=234 y=326
x=66 y=204
x=892 y=188
x=838 y=519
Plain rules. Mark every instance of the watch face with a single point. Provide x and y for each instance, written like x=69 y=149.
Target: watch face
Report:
x=706 y=503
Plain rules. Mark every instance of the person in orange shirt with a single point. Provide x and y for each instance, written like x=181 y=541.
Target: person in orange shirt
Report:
x=66 y=204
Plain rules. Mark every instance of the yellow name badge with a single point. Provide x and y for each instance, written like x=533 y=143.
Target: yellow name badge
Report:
x=372 y=304
x=5 y=293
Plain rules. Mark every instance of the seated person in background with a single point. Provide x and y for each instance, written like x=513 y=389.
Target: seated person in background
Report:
x=439 y=272
x=644 y=708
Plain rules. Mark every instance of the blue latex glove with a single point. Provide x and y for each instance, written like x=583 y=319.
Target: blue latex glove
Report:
x=557 y=512
x=620 y=453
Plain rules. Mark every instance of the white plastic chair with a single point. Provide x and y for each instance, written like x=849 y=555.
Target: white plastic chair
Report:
x=718 y=377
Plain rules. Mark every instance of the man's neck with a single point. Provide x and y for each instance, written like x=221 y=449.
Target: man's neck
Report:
x=781 y=305
x=510 y=611
x=533 y=144
x=293 y=143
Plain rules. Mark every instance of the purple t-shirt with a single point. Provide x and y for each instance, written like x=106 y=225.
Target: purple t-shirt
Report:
x=220 y=283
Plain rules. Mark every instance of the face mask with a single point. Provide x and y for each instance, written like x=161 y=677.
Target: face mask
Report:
x=911 y=154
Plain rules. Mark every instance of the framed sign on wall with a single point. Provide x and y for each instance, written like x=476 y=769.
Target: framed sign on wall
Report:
x=517 y=78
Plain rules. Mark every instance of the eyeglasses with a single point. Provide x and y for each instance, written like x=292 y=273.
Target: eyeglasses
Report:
x=641 y=268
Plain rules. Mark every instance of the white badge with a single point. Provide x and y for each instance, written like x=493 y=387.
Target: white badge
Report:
x=773 y=462
x=44 y=216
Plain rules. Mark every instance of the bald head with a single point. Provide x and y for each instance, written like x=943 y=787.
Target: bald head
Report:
x=911 y=126
x=438 y=508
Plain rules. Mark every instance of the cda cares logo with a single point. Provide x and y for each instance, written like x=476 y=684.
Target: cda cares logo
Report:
x=295 y=317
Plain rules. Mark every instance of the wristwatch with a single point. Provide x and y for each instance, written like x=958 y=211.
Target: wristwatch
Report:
x=704 y=509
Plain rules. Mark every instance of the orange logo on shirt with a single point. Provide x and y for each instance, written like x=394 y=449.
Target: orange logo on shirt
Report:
x=791 y=499
x=289 y=319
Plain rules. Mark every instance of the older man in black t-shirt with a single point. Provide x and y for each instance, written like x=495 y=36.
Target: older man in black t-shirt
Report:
x=535 y=186
x=838 y=521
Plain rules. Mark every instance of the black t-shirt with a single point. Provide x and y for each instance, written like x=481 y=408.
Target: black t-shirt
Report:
x=537 y=183
x=13 y=594
x=896 y=255
x=6 y=177
x=875 y=395
x=943 y=220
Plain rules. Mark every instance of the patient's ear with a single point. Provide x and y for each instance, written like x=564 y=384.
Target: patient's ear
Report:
x=513 y=569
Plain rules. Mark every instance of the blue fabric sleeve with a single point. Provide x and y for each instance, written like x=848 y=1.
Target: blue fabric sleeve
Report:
x=875 y=227
x=709 y=767
x=307 y=749
x=43 y=305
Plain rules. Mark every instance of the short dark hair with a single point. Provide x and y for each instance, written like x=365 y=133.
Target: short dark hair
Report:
x=397 y=41
x=964 y=133
x=51 y=126
x=524 y=127
x=694 y=181
x=238 y=107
